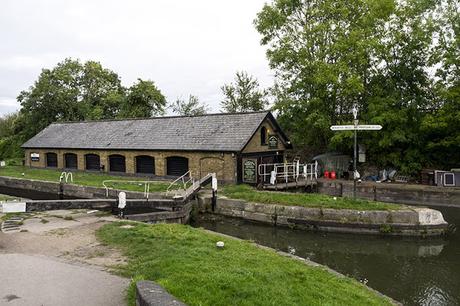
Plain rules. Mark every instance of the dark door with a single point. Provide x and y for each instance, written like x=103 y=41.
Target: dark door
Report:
x=92 y=162
x=70 y=161
x=51 y=160
x=145 y=164
x=117 y=163
x=176 y=166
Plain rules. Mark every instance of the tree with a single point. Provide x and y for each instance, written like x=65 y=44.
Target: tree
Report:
x=144 y=100
x=329 y=55
x=9 y=141
x=323 y=53
x=441 y=127
x=243 y=95
x=69 y=91
x=192 y=107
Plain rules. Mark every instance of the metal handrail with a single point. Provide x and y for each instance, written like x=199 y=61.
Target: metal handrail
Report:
x=146 y=185
x=184 y=182
x=289 y=171
x=65 y=175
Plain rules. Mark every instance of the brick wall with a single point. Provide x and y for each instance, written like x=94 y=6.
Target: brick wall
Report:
x=200 y=163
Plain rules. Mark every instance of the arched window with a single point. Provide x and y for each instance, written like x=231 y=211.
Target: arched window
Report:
x=263 y=136
x=176 y=165
x=117 y=163
x=92 y=162
x=51 y=160
x=70 y=161
x=145 y=164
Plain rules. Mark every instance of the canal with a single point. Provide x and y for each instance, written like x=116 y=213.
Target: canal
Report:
x=412 y=271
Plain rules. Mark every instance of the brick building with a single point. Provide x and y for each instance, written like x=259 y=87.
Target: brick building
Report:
x=232 y=145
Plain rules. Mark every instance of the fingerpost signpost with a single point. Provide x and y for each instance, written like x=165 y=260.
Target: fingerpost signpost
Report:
x=355 y=127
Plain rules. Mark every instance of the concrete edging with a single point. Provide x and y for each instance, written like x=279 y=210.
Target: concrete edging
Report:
x=149 y=293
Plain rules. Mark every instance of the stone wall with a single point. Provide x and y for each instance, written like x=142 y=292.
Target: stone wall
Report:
x=410 y=221
x=200 y=163
x=69 y=190
x=393 y=193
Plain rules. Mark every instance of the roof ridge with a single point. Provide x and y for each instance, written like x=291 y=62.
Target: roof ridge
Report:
x=160 y=117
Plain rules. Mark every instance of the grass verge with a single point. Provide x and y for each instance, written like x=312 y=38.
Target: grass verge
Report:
x=4 y=197
x=186 y=262
x=248 y=193
x=82 y=178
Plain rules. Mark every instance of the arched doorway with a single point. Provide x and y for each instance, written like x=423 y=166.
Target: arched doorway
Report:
x=212 y=165
x=145 y=164
x=117 y=163
x=176 y=165
x=51 y=160
x=70 y=161
x=92 y=162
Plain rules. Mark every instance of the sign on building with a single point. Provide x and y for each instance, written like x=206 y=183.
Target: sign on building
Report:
x=34 y=156
x=249 y=171
x=272 y=142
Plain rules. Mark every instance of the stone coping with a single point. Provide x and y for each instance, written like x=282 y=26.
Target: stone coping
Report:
x=410 y=221
x=149 y=293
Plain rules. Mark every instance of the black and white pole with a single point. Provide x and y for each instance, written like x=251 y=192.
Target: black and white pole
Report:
x=355 y=121
x=355 y=127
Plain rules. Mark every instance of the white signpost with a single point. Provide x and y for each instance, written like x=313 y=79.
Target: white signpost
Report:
x=361 y=127
x=355 y=127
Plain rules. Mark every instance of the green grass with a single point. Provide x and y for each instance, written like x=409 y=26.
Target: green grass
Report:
x=245 y=192
x=82 y=178
x=4 y=197
x=186 y=262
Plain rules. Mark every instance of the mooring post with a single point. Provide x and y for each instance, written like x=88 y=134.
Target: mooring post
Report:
x=61 y=191
x=214 y=192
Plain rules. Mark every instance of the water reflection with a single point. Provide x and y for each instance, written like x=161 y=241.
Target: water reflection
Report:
x=413 y=271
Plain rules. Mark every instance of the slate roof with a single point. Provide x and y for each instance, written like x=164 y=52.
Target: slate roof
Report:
x=214 y=132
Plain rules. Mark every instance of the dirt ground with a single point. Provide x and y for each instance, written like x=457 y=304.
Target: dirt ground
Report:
x=68 y=235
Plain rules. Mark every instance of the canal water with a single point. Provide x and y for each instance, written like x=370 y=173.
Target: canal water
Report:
x=413 y=271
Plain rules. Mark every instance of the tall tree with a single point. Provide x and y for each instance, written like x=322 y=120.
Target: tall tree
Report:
x=69 y=91
x=144 y=100
x=441 y=127
x=380 y=55
x=191 y=107
x=323 y=53
x=243 y=95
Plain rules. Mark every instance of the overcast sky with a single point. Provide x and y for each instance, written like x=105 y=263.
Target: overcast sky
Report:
x=185 y=47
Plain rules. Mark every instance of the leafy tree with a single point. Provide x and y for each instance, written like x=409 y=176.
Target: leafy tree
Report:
x=441 y=127
x=144 y=100
x=69 y=91
x=380 y=55
x=192 y=107
x=7 y=124
x=9 y=141
x=323 y=52
x=243 y=95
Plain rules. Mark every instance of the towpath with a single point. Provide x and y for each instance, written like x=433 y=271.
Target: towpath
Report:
x=55 y=259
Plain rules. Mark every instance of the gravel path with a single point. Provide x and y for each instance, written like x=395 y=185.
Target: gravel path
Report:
x=56 y=260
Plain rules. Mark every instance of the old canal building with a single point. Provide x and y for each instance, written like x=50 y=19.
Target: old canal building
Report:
x=231 y=145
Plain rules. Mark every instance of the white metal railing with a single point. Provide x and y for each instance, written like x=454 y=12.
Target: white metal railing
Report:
x=184 y=181
x=287 y=172
x=145 y=183
x=65 y=176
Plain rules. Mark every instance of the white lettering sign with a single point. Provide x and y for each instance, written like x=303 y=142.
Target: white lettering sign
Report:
x=362 y=127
